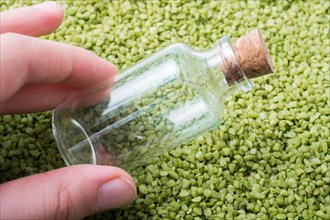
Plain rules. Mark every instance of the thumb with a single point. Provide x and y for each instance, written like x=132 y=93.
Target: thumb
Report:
x=68 y=193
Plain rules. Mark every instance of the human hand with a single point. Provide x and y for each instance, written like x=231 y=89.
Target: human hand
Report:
x=36 y=75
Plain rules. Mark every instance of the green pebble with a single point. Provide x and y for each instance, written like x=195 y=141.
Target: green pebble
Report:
x=281 y=216
x=143 y=189
x=184 y=193
x=272 y=145
x=197 y=199
x=197 y=211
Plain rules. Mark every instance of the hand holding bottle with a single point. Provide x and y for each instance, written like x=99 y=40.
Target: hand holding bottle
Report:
x=36 y=75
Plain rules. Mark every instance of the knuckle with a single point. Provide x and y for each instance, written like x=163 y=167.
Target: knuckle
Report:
x=10 y=36
x=13 y=44
x=64 y=208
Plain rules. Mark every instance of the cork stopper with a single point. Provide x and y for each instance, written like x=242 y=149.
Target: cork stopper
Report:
x=252 y=55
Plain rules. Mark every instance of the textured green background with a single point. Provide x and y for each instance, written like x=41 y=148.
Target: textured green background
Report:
x=270 y=159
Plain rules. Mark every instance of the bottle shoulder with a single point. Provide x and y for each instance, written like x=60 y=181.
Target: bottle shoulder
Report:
x=178 y=48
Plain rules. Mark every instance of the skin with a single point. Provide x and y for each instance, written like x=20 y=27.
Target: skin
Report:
x=37 y=75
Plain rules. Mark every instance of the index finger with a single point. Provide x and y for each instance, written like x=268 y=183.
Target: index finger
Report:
x=33 y=20
x=28 y=60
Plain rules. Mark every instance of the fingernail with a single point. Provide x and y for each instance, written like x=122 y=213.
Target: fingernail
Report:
x=116 y=193
x=48 y=5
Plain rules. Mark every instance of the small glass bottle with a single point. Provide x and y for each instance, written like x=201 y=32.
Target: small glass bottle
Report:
x=158 y=104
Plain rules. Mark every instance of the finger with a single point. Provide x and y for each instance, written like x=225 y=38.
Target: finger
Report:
x=34 y=20
x=28 y=60
x=37 y=99
x=33 y=98
x=68 y=193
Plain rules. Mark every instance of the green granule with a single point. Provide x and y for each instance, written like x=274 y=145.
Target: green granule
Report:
x=270 y=159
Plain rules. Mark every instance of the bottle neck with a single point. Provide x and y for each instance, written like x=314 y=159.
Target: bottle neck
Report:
x=222 y=62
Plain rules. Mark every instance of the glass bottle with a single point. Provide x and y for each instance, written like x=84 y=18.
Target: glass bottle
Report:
x=158 y=104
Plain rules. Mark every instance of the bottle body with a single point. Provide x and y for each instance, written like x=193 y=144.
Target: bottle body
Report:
x=160 y=103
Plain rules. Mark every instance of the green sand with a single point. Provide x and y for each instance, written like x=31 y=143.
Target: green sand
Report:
x=270 y=159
